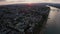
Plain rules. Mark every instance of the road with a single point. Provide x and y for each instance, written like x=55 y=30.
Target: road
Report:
x=53 y=23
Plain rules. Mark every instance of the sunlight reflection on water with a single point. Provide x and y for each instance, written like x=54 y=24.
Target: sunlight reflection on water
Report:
x=53 y=24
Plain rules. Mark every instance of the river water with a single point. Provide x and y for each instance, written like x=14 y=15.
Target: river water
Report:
x=53 y=22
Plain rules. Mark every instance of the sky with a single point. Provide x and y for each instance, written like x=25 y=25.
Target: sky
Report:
x=28 y=1
x=53 y=1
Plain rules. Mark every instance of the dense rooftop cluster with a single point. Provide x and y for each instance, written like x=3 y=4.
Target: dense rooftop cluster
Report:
x=21 y=19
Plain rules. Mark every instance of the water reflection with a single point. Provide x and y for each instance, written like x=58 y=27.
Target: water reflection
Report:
x=53 y=24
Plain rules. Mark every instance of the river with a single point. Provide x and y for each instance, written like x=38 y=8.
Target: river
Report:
x=53 y=22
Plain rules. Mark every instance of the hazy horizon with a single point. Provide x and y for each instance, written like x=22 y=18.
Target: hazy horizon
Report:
x=37 y=1
x=27 y=1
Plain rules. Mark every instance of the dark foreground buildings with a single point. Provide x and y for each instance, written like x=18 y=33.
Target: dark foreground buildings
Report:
x=22 y=19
